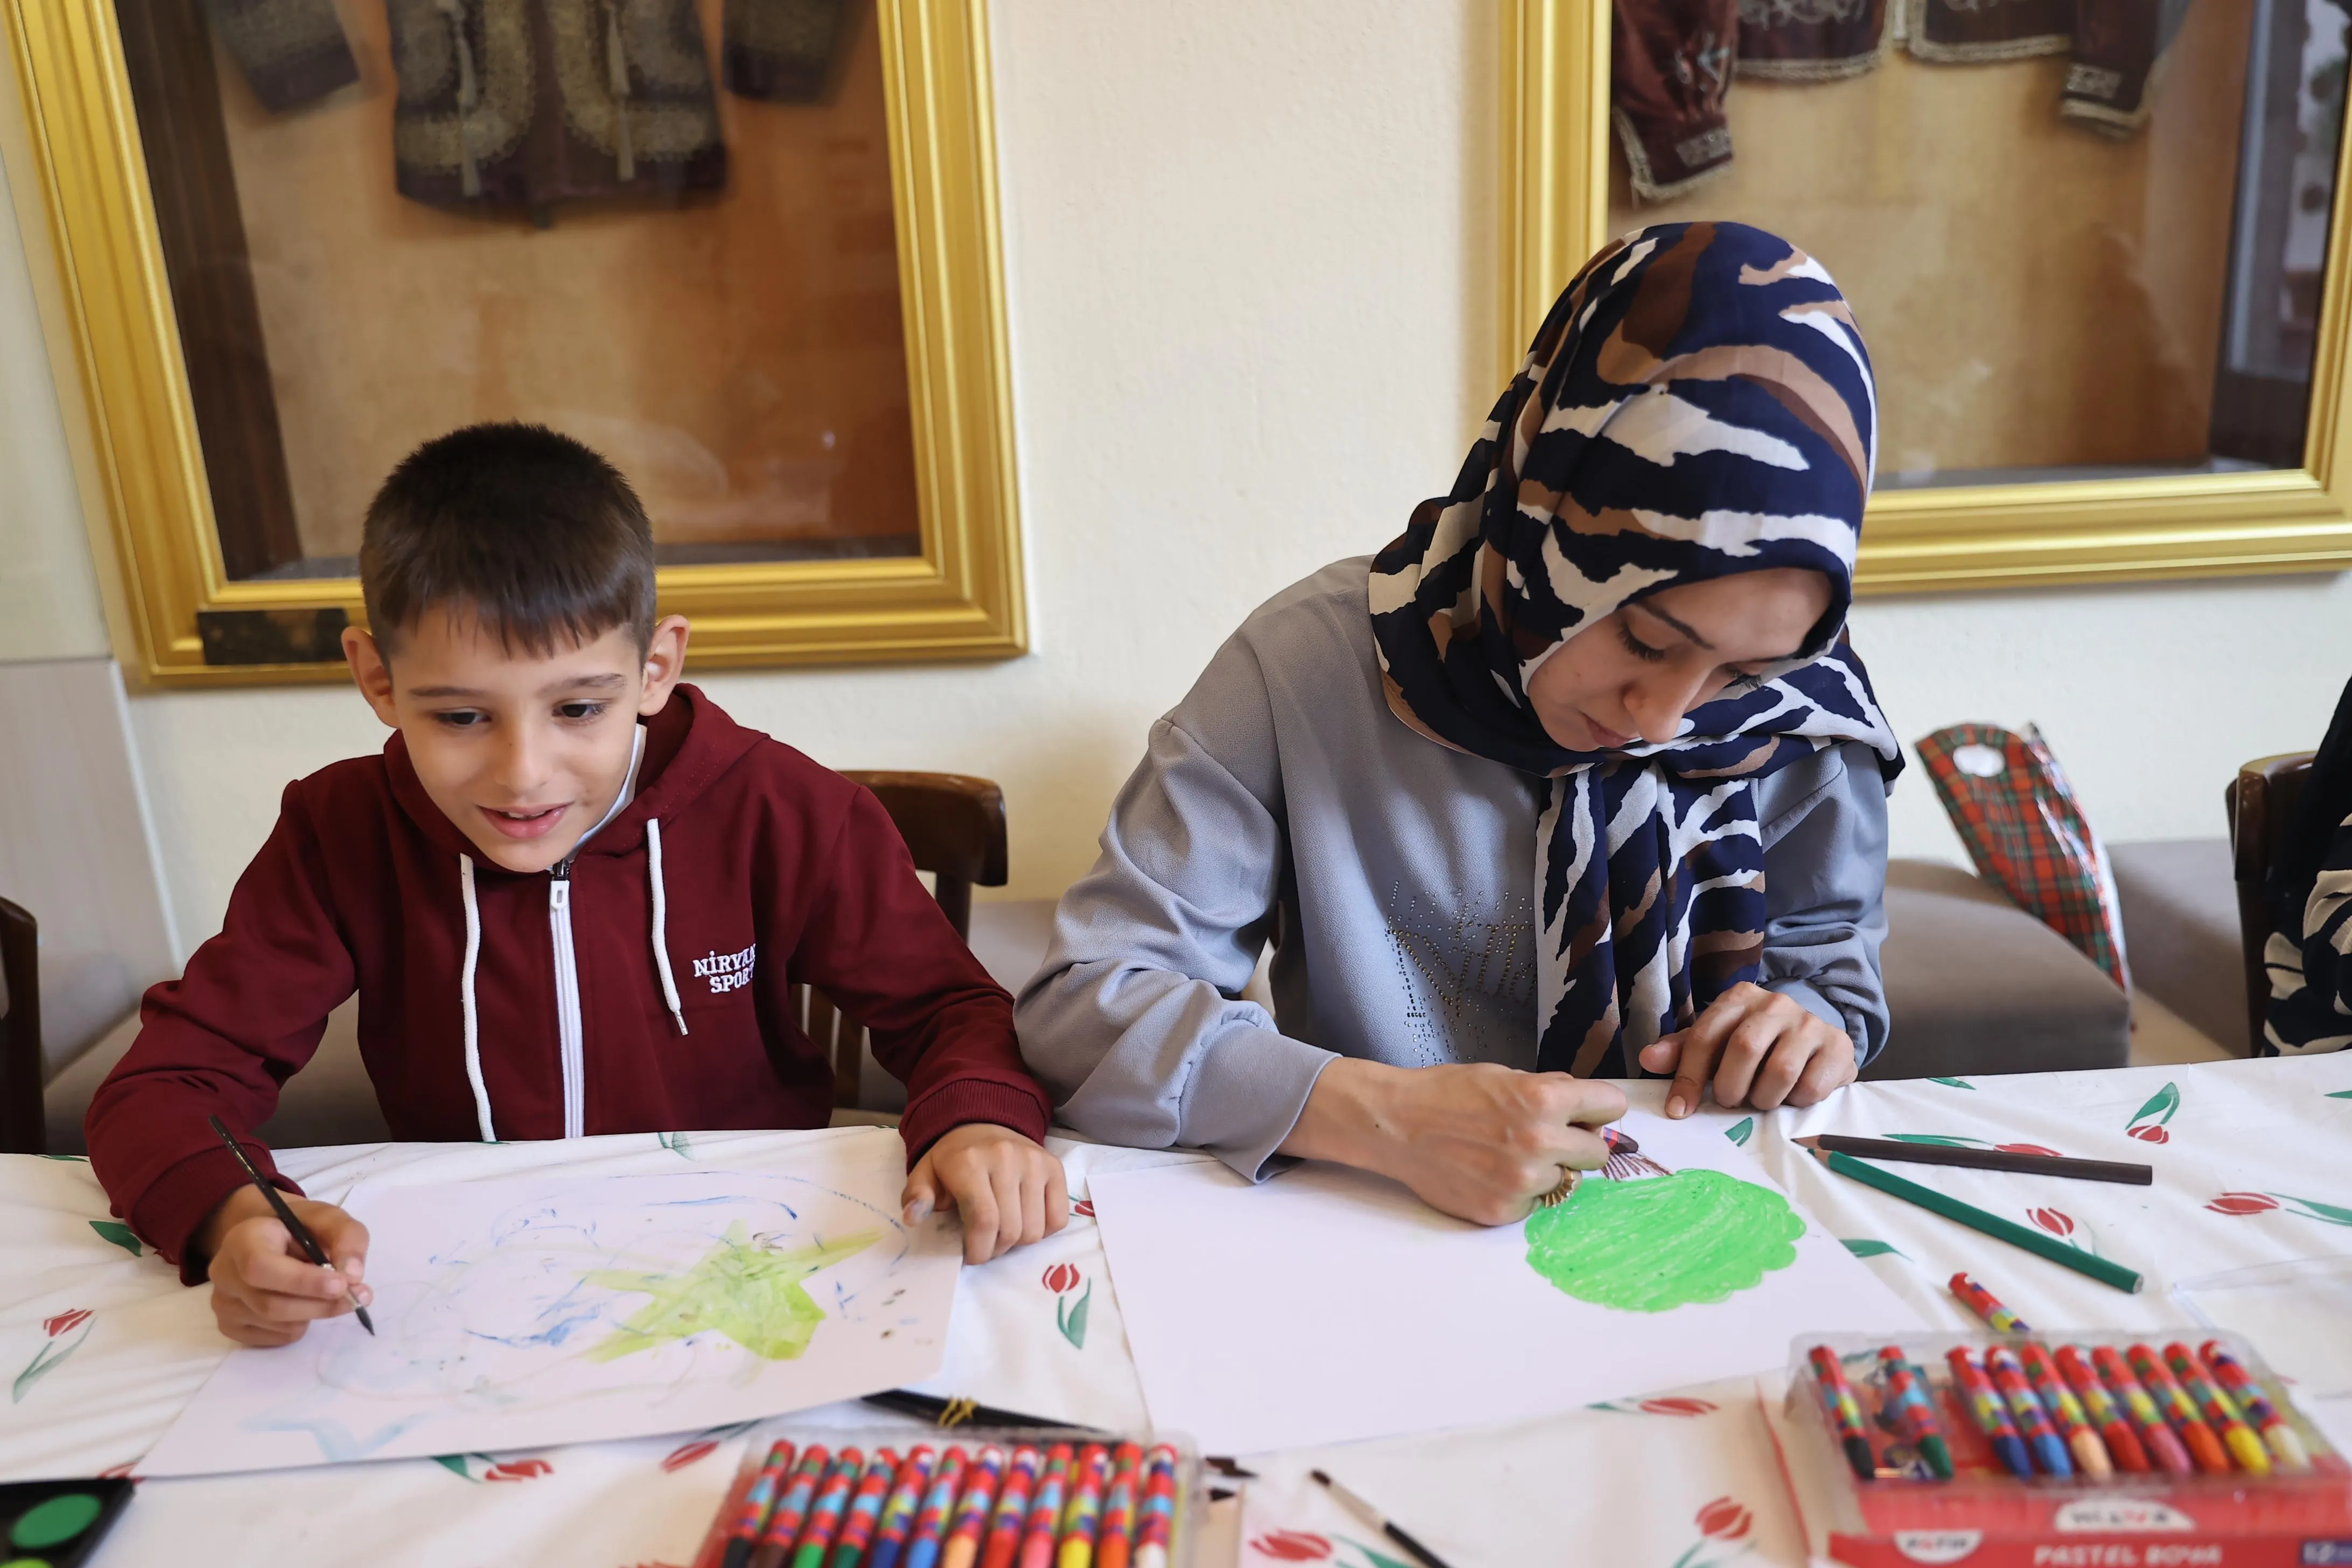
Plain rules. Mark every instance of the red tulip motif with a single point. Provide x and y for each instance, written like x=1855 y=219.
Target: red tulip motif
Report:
x=1069 y=1316
x=2052 y=1220
x=686 y=1454
x=2152 y=1132
x=1724 y=1520
x=1676 y=1405
x=66 y=1322
x=2026 y=1149
x=1063 y=1277
x=1084 y=1208
x=2242 y=1203
x=1292 y=1546
x=517 y=1470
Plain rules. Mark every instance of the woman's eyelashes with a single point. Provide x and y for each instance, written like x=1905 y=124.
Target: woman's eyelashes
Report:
x=1636 y=646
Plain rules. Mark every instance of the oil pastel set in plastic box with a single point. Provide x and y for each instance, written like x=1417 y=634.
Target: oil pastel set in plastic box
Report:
x=955 y=1497
x=2106 y=1448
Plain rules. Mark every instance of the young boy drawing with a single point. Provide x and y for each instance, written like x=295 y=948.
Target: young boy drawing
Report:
x=571 y=893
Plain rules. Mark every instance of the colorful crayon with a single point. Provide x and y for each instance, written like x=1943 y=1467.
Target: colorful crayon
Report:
x=2179 y=1413
x=898 y=1511
x=931 y=1519
x=1082 y=1518
x=2115 y=1432
x=2219 y=1412
x=959 y=1546
x=824 y=1514
x=2032 y=1422
x=1844 y=1412
x=865 y=1509
x=1156 y=1516
x=2164 y=1444
x=2285 y=1446
x=1992 y=1417
x=1987 y=1304
x=1045 y=1510
x=1003 y=1542
x=784 y=1526
x=1915 y=1415
x=1117 y=1543
x=2074 y=1427
x=752 y=1514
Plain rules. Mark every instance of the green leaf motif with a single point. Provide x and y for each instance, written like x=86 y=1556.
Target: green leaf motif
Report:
x=455 y=1465
x=2316 y=1210
x=2341 y=1094
x=1869 y=1249
x=677 y=1143
x=1953 y=1082
x=78 y=1159
x=47 y=1360
x=115 y=1231
x=1742 y=1133
x=1375 y=1558
x=1073 y=1321
x=2160 y=1105
x=1937 y=1138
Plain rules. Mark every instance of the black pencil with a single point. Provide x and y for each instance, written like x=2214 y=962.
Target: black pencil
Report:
x=1373 y=1515
x=2129 y=1176
x=969 y=1413
x=294 y=1228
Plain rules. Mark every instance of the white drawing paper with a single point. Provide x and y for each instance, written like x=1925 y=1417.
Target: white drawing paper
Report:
x=1328 y=1305
x=562 y=1309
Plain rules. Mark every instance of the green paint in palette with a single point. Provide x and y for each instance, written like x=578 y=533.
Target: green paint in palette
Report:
x=58 y=1524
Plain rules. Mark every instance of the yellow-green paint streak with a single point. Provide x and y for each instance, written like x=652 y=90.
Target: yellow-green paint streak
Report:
x=1671 y=1241
x=739 y=1288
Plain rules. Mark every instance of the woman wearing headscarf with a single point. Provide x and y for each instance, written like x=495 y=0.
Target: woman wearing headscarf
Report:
x=2309 y=892
x=1577 y=778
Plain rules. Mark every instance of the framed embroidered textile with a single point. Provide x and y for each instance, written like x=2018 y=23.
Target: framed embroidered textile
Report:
x=2092 y=245
x=746 y=248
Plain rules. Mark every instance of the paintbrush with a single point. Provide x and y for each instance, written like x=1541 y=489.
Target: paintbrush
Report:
x=294 y=1228
x=1985 y=1159
x=1374 y=1516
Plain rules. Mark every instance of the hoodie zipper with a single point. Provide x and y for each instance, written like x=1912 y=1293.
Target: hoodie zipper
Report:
x=567 y=999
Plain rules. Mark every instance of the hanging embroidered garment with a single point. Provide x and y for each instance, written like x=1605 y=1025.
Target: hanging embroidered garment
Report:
x=1965 y=32
x=1697 y=404
x=2119 y=47
x=1810 y=40
x=1671 y=63
x=523 y=103
x=2309 y=895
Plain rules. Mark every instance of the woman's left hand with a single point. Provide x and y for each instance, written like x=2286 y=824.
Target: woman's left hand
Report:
x=1009 y=1190
x=1762 y=1048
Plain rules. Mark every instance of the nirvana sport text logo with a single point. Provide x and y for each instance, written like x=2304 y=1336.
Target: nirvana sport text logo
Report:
x=726 y=970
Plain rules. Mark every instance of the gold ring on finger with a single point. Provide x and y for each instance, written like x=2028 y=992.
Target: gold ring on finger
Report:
x=1561 y=1189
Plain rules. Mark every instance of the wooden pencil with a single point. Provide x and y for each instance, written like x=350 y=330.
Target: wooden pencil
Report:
x=2117 y=1171
x=1975 y=1218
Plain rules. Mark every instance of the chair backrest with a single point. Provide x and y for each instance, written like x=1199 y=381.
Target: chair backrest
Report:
x=954 y=828
x=22 y=1127
x=2260 y=802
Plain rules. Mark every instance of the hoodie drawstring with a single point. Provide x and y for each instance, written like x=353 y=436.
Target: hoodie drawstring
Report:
x=465 y=991
x=661 y=922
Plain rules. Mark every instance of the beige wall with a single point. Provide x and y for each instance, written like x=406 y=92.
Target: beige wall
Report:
x=1250 y=260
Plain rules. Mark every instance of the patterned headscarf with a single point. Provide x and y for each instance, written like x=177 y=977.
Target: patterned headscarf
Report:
x=1697 y=404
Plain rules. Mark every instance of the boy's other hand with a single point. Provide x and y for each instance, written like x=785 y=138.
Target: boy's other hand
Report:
x=1760 y=1048
x=266 y=1289
x=1009 y=1190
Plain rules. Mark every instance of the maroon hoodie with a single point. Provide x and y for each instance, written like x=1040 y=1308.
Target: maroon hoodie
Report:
x=643 y=988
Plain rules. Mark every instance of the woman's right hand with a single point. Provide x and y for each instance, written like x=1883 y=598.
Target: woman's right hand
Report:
x=1475 y=1140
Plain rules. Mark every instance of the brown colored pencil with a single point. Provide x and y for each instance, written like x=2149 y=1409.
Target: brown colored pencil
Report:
x=2129 y=1176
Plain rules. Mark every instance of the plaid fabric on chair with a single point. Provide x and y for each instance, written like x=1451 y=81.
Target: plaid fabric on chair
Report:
x=2012 y=807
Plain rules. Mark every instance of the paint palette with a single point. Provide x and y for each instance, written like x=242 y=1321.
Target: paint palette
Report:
x=57 y=1524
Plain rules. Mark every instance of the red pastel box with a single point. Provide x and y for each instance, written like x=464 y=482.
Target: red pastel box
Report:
x=2207 y=1462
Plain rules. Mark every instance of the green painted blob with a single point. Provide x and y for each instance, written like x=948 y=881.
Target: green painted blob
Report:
x=1667 y=1242
x=739 y=1288
x=58 y=1519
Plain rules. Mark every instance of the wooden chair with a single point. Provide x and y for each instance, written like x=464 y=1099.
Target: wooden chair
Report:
x=954 y=828
x=2260 y=803
x=22 y=1128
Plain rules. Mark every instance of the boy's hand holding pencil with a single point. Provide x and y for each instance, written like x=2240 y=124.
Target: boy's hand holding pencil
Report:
x=266 y=1289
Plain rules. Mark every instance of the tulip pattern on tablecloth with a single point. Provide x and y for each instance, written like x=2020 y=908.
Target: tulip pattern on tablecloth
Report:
x=489 y=1468
x=2264 y=1203
x=1304 y=1546
x=2148 y=1123
x=1070 y=1308
x=1726 y=1530
x=61 y=1335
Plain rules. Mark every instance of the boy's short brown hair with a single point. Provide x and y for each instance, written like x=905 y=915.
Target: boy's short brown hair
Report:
x=528 y=531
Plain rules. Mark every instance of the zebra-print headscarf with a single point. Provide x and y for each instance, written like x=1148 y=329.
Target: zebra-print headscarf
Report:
x=1697 y=404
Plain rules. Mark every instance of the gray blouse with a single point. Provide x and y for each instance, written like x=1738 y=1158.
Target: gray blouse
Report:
x=1282 y=795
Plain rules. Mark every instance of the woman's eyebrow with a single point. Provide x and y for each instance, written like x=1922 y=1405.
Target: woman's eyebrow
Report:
x=1649 y=609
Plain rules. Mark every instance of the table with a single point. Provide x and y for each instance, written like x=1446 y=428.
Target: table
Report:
x=101 y=1345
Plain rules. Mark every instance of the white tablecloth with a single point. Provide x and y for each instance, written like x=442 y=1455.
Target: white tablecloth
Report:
x=101 y=1345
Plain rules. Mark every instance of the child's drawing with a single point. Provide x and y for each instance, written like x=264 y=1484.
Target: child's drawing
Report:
x=1655 y=1243
x=512 y=1314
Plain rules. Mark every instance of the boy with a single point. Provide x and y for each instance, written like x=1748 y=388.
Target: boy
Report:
x=571 y=893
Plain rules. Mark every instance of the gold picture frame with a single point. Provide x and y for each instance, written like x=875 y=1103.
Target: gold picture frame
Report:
x=962 y=598
x=1555 y=213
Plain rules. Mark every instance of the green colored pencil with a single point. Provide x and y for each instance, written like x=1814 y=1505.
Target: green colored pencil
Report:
x=1992 y=1225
